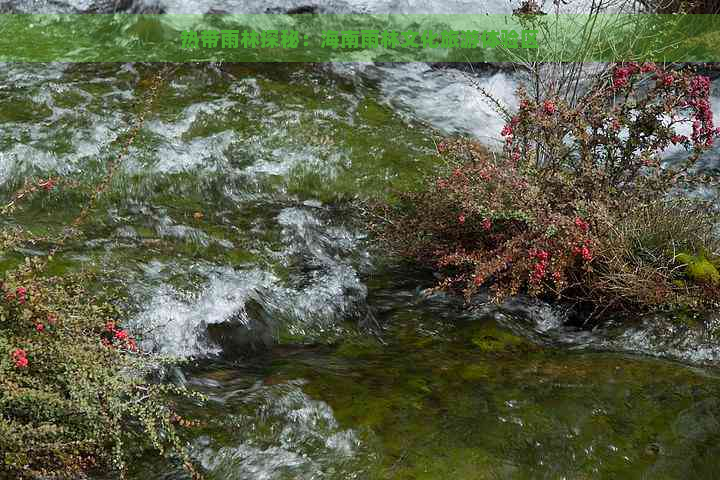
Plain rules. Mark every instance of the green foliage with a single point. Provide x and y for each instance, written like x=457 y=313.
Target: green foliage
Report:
x=74 y=394
x=75 y=391
x=699 y=269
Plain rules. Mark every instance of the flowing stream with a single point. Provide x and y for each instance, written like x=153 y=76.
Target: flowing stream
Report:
x=233 y=229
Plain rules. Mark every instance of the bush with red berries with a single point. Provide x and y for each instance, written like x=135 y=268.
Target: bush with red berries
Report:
x=579 y=205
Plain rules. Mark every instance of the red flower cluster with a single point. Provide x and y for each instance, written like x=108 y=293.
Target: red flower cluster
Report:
x=648 y=67
x=39 y=327
x=121 y=335
x=539 y=269
x=20 y=294
x=675 y=139
x=582 y=224
x=113 y=332
x=584 y=251
x=703 y=128
x=508 y=128
x=486 y=224
x=621 y=75
x=19 y=356
x=461 y=218
x=549 y=107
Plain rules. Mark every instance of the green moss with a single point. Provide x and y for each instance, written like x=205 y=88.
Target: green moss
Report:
x=699 y=269
x=23 y=110
x=358 y=348
x=490 y=338
x=374 y=114
x=686 y=316
x=475 y=372
x=62 y=265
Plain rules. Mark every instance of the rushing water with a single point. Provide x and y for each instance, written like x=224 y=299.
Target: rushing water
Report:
x=233 y=230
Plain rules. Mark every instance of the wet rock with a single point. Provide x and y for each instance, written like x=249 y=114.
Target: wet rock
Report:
x=695 y=340
x=299 y=10
x=247 y=332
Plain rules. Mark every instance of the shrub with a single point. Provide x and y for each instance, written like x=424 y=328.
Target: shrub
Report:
x=487 y=221
x=577 y=205
x=74 y=393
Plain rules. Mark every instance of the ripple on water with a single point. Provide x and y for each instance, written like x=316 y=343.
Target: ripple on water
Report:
x=292 y=436
x=322 y=291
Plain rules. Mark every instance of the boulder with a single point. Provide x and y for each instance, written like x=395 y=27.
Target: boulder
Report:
x=248 y=331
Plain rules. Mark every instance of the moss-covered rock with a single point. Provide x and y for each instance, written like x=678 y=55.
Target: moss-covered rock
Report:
x=490 y=338
x=699 y=269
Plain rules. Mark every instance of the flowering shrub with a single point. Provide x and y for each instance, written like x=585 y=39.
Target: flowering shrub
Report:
x=487 y=221
x=72 y=392
x=556 y=214
x=612 y=140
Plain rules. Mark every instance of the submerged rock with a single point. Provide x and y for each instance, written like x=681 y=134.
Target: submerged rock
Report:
x=299 y=10
x=489 y=338
x=247 y=332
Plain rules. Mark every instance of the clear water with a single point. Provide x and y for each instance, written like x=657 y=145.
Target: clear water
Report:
x=323 y=358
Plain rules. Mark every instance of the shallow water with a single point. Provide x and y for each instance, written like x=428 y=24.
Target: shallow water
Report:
x=232 y=229
x=448 y=397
